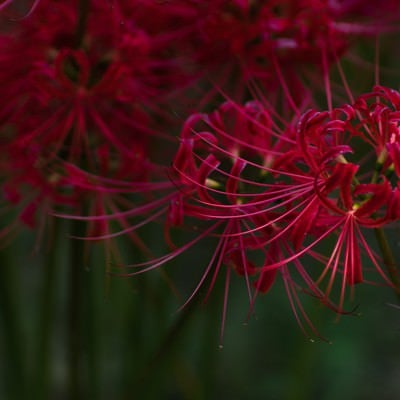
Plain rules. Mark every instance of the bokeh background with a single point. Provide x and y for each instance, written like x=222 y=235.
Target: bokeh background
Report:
x=70 y=330
x=133 y=344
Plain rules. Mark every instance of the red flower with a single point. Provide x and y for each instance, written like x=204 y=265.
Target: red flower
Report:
x=355 y=195
x=273 y=195
x=74 y=99
x=276 y=44
x=71 y=100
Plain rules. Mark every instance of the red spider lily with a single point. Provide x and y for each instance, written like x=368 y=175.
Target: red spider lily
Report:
x=72 y=100
x=351 y=197
x=353 y=216
x=379 y=125
x=269 y=190
x=203 y=196
x=237 y=42
x=234 y=43
x=269 y=195
x=274 y=219
x=250 y=205
x=298 y=214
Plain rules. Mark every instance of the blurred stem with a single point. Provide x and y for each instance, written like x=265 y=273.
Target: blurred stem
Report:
x=11 y=329
x=93 y=285
x=388 y=259
x=167 y=345
x=83 y=13
x=46 y=314
x=74 y=314
x=209 y=351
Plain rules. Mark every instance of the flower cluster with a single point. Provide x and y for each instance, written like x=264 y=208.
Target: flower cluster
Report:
x=273 y=195
x=81 y=92
x=85 y=127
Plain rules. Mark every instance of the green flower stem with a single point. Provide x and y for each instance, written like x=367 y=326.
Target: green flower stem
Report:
x=94 y=295
x=42 y=375
x=135 y=314
x=168 y=344
x=74 y=334
x=388 y=259
x=11 y=329
x=85 y=295
x=209 y=353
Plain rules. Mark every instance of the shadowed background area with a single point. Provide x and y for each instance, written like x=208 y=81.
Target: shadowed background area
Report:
x=131 y=342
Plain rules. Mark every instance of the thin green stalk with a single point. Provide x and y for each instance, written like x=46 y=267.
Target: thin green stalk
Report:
x=209 y=353
x=94 y=294
x=85 y=294
x=74 y=334
x=167 y=345
x=11 y=329
x=388 y=259
x=135 y=314
x=42 y=373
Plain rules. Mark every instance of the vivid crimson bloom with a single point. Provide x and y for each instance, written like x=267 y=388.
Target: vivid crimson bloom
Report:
x=326 y=187
x=274 y=196
x=241 y=188
x=353 y=151
x=201 y=195
x=85 y=96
